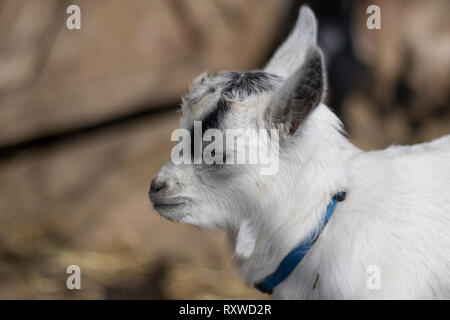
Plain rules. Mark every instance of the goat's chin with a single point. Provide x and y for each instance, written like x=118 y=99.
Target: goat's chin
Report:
x=172 y=212
x=187 y=213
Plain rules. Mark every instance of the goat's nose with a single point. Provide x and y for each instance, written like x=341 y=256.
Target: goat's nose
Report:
x=157 y=185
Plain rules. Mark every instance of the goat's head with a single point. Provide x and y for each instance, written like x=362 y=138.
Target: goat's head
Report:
x=279 y=97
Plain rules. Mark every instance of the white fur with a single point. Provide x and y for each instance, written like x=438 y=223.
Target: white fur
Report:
x=396 y=214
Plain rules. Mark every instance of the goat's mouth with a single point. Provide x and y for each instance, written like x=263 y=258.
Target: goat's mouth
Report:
x=163 y=206
x=171 y=209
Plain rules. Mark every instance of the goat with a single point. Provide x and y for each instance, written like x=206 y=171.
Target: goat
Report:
x=396 y=212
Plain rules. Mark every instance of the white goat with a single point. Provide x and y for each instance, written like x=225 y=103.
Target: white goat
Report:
x=396 y=214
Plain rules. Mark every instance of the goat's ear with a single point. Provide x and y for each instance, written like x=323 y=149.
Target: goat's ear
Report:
x=291 y=54
x=299 y=94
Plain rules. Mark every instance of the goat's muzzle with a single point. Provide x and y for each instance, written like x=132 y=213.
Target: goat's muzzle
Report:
x=163 y=201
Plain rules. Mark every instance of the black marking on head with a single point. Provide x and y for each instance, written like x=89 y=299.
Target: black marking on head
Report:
x=225 y=87
x=215 y=117
x=233 y=85
x=242 y=85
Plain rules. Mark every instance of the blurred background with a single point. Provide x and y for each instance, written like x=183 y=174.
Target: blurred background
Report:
x=86 y=117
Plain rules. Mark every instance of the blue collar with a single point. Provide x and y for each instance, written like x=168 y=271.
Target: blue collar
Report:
x=296 y=255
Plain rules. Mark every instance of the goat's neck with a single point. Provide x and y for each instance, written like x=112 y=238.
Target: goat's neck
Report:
x=322 y=156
